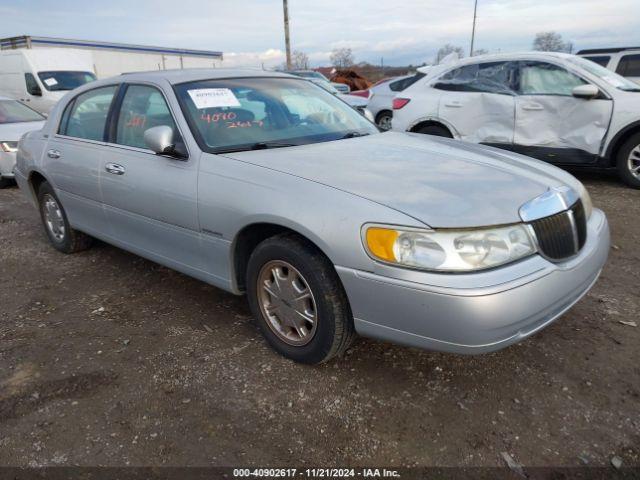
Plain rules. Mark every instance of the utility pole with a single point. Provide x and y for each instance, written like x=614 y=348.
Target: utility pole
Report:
x=286 y=33
x=473 y=30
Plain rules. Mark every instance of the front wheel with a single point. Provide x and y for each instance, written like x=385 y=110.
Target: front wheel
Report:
x=628 y=161
x=297 y=298
x=56 y=224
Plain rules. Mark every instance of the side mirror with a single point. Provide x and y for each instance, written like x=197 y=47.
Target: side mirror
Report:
x=34 y=90
x=586 y=92
x=160 y=140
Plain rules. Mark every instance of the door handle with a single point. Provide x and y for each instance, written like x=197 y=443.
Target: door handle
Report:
x=53 y=154
x=453 y=103
x=114 y=168
x=532 y=106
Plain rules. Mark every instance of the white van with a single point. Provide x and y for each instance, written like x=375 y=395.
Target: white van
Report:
x=40 y=77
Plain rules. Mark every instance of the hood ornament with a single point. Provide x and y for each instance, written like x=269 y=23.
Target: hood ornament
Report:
x=554 y=200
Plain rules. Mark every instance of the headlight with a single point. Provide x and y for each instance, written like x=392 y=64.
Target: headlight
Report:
x=448 y=250
x=9 y=146
x=586 y=202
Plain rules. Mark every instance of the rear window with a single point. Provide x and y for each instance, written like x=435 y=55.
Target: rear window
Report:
x=12 y=111
x=602 y=60
x=629 y=66
x=404 y=83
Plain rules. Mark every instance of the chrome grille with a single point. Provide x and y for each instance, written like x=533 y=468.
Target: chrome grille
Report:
x=562 y=235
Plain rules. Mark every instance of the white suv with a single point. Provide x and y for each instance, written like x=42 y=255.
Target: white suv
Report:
x=624 y=61
x=556 y=107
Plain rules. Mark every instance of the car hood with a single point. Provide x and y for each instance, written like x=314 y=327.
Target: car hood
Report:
x=441 y=182
x=11 y=132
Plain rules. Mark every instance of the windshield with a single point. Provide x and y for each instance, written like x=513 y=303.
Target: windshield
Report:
x=242 y=113
x=311 y=74
x=65 y=80
x=605 y=74
x=12 y=111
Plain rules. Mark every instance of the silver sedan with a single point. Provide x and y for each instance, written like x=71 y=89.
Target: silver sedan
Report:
x=264 y=184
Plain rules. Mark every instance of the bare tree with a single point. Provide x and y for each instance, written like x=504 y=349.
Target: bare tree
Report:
x=299 y=60
x=341 y=57
x=551 y=42
x=448 y=49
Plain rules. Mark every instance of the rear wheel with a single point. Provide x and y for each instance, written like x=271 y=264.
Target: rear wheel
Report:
x=297 y=298
x=435 y=130
x=56 y=224
x=628 y=161
x=384 y=119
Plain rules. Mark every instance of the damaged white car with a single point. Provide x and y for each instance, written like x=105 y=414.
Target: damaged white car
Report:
x=556 y=107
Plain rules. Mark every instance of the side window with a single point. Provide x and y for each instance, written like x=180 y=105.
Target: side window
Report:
x=602 y=60
x=400 y=85
x=540 y=78
x=629 y=66
x=87 y=115
x=492 y=77
x=143 y=107
x=32 y=86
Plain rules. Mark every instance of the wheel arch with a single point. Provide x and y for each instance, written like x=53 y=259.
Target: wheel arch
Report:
x=433 y=121
x=619 y=139
x=34 y=180
x=252 y=234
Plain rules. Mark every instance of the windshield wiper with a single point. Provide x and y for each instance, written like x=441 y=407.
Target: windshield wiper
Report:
x=353 y=134
x=263 y=145
x=255 y=146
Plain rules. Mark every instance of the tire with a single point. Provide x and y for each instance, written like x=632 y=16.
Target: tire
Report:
x=56 y=224
x=628 y=158
x=435 y=130
x=299 y=264
x=383 y=120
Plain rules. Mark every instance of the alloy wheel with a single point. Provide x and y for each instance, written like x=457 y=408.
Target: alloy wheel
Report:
x=633 y=162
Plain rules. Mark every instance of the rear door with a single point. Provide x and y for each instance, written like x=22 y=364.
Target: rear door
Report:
x=552 y=124
x=150 y=200
x=478 y=101
x=73 y=157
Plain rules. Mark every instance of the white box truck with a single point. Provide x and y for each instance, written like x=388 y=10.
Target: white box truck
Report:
x=40 y=70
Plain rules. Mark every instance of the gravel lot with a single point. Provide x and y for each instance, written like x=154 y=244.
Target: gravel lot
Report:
x=108 y=359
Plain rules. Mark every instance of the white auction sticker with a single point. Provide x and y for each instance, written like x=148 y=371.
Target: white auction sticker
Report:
x=213 y=97
x=50 y=82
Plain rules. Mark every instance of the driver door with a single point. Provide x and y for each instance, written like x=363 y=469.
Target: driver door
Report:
x=150 y=200
x=552 y=124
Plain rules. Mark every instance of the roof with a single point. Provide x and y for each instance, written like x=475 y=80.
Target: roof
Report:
x=175 y=76
x=27 y=41
x=605 y=50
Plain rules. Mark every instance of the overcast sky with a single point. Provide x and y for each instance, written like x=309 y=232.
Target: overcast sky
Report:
x=250 y=32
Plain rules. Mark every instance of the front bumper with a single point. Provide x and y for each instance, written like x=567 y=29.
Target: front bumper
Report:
x=475 y=316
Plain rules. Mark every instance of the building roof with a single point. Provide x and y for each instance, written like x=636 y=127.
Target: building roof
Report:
x=27 y=41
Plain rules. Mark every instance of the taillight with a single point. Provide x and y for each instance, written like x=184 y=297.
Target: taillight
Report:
x=398 y=103
x=361 y=93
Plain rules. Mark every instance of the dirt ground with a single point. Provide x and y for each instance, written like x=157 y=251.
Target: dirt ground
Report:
x=108 y=359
